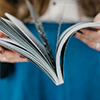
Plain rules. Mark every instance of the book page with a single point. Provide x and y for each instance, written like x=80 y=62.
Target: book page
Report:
x=18 y=36
x=12 y=45
x=64 y=40
x=29 y=35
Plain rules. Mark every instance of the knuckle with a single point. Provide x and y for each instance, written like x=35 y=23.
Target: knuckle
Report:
x=91 y=44
x=1 y=33
x=3 y=58
x=86 y=32
x=98 y=49
x=98 y=35
x=1 y=47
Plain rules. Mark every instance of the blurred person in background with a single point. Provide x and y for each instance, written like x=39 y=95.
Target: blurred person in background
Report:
x=82 y=57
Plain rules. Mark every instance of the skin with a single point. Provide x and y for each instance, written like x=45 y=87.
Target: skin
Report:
x=10 y=56
x=91 y=38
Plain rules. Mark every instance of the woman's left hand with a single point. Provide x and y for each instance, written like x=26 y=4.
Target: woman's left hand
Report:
x=91 y=38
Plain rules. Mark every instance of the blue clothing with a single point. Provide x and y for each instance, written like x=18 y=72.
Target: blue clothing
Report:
x=81 y=70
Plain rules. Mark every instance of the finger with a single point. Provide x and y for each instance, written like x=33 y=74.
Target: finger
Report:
x=4 y=59
x=22 y=56
x=2 y=34
x=1 y=50
x=97 y=18
x=11 y=57
x=95 y=35
x=17 y=58
x=87 y=41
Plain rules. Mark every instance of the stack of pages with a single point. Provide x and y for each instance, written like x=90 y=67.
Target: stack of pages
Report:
x=22 y=41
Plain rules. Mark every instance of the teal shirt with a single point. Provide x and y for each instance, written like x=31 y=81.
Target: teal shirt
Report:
x=81 y=73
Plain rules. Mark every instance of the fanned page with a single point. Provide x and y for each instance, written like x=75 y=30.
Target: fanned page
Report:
x=22 y=41
x=29 y=35
x=14 y=46
x=63 y=40
x=34 y=55
x=19 y=36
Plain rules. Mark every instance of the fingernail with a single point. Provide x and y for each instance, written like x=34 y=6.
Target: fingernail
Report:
x=22 y=56
x=80 y=31
x=0 y=52
x=28 y=60
x=74 y=34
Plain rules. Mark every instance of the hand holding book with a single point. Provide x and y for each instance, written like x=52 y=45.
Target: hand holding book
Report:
x=8 y=55
x=12 y=57
x=91 y=35
x=22 y=41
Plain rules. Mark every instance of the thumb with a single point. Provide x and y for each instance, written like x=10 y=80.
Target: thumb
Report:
x=97 y=18
x=2 y=34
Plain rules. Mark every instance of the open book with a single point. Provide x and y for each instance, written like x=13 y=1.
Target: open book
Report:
x=22 y=41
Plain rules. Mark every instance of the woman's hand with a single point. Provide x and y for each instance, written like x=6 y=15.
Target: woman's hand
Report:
x=91 y=38
x=10 y=56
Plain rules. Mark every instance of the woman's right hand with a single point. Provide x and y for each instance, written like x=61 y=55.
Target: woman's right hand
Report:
x=10 y=56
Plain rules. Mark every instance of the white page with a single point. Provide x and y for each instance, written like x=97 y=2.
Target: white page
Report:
x=66 y=34
x=27 y=33
x=12 y=34
x=8 y=43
